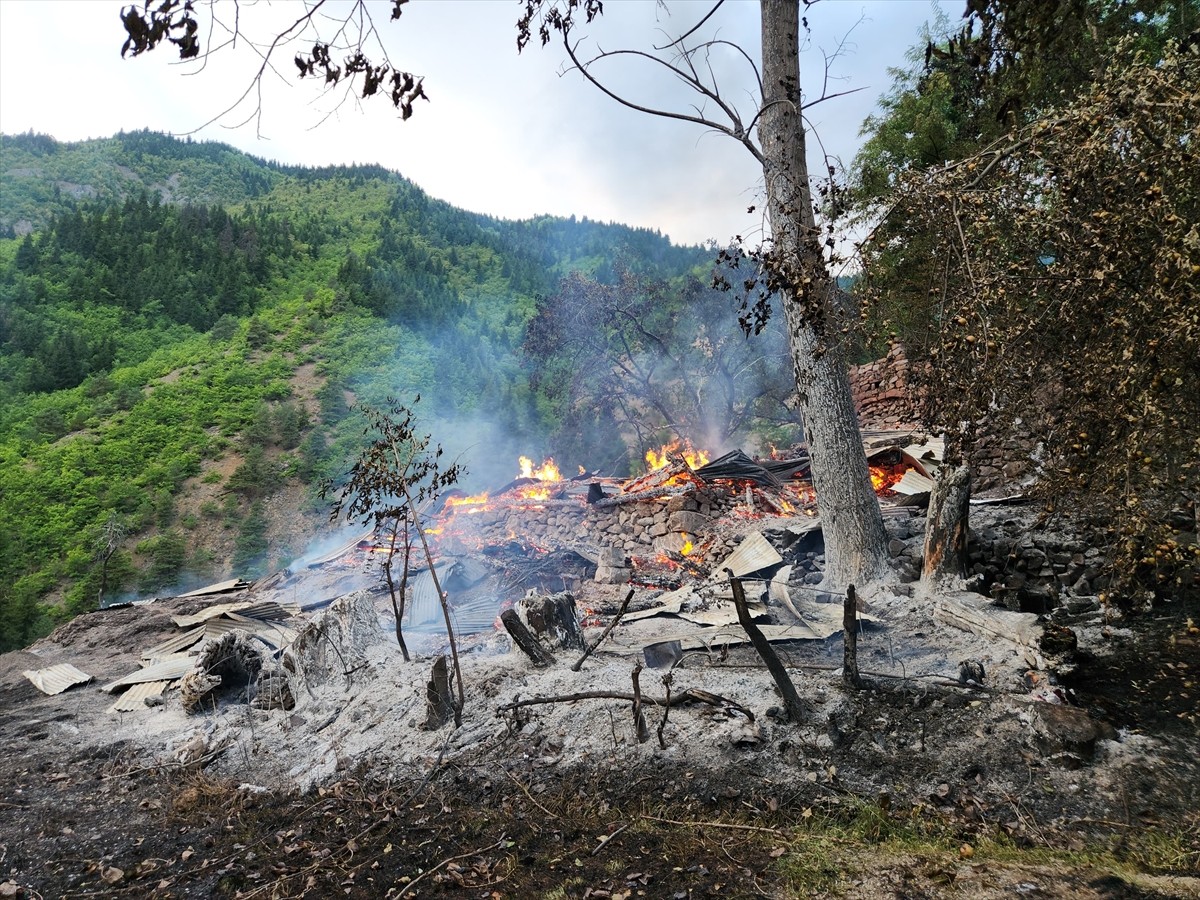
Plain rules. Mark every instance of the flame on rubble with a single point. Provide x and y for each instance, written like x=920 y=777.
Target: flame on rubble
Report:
x=479 y=500
x=687 y=548
x=548 y=471
x=661 y=459
x=883 y=477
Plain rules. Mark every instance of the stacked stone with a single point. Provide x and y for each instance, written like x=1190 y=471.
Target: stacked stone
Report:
x=880 y=391
x=1035 y=573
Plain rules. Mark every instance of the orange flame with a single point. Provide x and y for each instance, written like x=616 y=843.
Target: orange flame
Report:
x=473 y=500
x=548 y=471
x=660 y=459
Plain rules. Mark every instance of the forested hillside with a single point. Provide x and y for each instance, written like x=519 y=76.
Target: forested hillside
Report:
x=184 y=329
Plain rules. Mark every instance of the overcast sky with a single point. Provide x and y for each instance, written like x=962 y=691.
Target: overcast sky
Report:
x=503 y=134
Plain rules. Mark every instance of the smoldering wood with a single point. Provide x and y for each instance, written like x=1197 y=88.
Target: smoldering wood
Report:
x=850 y=640
x=525 y=639
x=670 y=490
x=439 y=702
x=792 y=703
x=578 y=664
x=947 y=527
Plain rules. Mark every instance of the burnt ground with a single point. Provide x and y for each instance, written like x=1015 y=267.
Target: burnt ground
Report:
x=909 y=789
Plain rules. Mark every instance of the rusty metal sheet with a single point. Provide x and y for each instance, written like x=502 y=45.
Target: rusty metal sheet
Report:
x=135 y=698
x=56 y=679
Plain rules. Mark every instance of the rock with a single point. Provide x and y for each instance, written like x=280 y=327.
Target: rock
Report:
x=1067 y=729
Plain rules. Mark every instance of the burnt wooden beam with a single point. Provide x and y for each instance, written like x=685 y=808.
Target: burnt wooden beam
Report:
x=525 y=639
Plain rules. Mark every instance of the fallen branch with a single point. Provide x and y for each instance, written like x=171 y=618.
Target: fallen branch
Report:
x=710 y=825
x=407 y=889
x=795 y=707
x=607 y=839
x=693 y=695
x=611 y=625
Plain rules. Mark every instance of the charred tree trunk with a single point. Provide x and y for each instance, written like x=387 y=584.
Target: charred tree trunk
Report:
x=855 y=540
x=947 y=527
x=439 y=702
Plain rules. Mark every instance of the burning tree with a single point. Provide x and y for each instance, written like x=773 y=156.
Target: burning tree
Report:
x=394 y=477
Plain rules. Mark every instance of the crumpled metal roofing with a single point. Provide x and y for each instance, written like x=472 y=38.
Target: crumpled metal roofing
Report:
x=56 y=679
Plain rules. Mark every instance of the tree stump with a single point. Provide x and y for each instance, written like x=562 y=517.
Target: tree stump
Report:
x=554 y=619
x=947 y=527
x=850 y=640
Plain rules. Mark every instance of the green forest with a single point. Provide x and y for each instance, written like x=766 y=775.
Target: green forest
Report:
x=160 y=299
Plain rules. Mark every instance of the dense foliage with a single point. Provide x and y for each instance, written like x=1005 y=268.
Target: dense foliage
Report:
x=183 y=329
x=1054 y=285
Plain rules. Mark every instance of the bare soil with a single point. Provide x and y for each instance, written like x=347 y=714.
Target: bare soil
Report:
x=912 y=788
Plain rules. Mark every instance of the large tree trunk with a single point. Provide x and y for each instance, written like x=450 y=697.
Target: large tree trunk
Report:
x=855 y=540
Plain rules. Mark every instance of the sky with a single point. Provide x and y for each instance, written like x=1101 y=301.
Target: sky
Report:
x=509 y=135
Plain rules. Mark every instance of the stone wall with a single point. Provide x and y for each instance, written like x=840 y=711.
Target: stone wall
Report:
x=881 y=392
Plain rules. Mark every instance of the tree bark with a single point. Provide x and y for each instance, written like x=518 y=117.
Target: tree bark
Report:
x=855 y=540
x=947 y=527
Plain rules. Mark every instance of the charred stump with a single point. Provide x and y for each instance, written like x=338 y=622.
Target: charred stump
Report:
x=947 y=527
x=525 y=639
x=439 y=702
x=850 y=640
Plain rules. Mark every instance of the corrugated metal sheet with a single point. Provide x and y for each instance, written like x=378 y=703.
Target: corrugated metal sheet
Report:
x=278 y=636
x=223 y=587
x=135 y=698
x=165 y=671
x=753 y=554
x=56 y=679
x=269 y=610
x=176 y=644
x=210 y=612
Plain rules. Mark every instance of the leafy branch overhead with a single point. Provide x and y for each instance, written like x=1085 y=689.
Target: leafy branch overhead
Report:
x=336 y=59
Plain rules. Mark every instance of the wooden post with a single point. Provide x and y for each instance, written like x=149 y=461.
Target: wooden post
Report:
x=947 y=527
x=850 y=640
x=524 y=639
x=792 y=703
